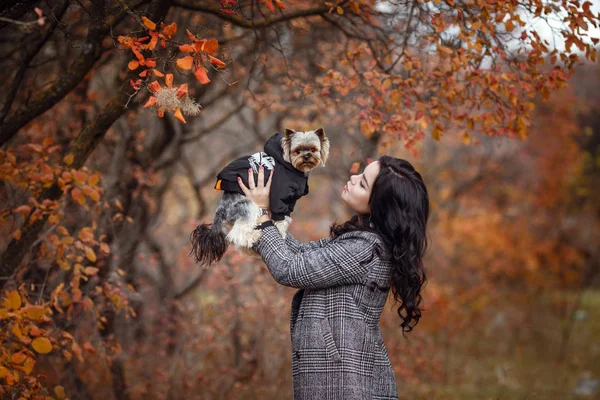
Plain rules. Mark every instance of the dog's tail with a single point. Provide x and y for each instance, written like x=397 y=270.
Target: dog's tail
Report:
x=208 y=243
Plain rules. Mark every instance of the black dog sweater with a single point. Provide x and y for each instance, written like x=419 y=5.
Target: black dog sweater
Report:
x=288 y=185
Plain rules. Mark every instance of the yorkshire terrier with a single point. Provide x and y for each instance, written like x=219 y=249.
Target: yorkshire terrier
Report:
x=295 y=154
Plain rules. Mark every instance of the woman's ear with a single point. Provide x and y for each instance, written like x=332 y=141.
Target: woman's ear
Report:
x=324 y=145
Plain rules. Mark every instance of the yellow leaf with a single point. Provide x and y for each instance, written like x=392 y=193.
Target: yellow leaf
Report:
x=89 y=253
x=59 y=391
x=63 y=265
x=42 y=345
x=94 y=179
x=436 y=133
x=149 y=24
x=185 y=62
x=28 y=366
x=35 y=312
x=339 y=10
x=3 y=372
x=91 y=270
x=68 y=159
x=16 y=331
x=67 y=240
x=13 y=300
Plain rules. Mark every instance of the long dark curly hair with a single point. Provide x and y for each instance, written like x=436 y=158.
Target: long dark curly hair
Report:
x=399 y=206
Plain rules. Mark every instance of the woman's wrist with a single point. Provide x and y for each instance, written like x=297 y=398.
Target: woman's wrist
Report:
x=264 y=218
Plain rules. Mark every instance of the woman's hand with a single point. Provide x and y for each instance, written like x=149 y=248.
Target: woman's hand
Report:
x=259 y=192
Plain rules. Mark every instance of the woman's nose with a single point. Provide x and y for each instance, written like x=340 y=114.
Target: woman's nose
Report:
x=352 y=179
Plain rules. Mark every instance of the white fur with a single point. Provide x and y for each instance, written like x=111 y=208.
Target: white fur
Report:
x=283 y=226
x=242 y=233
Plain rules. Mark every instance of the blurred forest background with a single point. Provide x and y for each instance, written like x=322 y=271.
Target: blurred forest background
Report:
x=108 y=163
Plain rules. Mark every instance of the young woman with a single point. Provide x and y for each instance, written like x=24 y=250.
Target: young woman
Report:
x=337 y=348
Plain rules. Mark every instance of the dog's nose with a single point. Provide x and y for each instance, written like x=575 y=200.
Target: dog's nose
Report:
x=307 y=156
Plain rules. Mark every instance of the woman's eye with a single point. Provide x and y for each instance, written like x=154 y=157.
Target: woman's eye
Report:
x=361 y=184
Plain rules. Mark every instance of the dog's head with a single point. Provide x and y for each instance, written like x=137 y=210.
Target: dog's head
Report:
x=304 y=150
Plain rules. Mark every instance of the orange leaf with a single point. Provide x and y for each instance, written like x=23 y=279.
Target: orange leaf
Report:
x=151 y=62
x=18 y=358
x=158 y=73
x=86 y=234
x=91 y=270
x=89 y=253
x=182 y=90
x=269 y=4
x=151 y=102
x=170 y=29
x=149 y=24
x=153 y=42
x=201 y=75
x=154 y=87
x=133 y=64
x=211 y=46
x=17 y=234
x=24 y=209
x=13 y=300
x=94 y=179
x=105 y=248
x=169 y=80
x=59 y=391
x=190 y=35
x=80 y=176
x=217 y=62
x=42 y=345
x=35 y=312
x=177 y=114
x=185 y=62
x=187 y=48
x=68 y=159
x=354 y=168
x=160 y=112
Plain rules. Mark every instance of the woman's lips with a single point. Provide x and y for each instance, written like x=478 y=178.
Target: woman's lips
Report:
x=346 y=187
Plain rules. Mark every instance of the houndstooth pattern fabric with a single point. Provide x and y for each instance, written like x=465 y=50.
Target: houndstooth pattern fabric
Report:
x=337 y=348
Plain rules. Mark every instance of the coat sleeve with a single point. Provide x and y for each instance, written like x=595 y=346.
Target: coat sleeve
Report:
x=295 y=246
x=340 y=262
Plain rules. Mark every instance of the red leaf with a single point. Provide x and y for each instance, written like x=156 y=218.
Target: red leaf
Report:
x=151 y=101
x=178 y=115
x=217 y=62
x=154 y=87
x=182 y=90
x=201 y=75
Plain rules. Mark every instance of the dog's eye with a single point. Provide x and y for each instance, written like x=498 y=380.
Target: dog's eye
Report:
x=296 y=152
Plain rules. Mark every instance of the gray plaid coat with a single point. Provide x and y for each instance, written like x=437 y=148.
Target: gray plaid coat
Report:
x=337 y=349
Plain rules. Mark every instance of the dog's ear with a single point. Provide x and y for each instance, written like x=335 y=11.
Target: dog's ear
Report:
x=286 y=143
x=324 y=145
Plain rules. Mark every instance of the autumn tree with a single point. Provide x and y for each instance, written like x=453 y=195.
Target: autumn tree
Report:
x=107 y=101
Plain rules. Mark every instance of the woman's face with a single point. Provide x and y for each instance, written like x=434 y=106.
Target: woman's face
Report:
x=358 y=189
